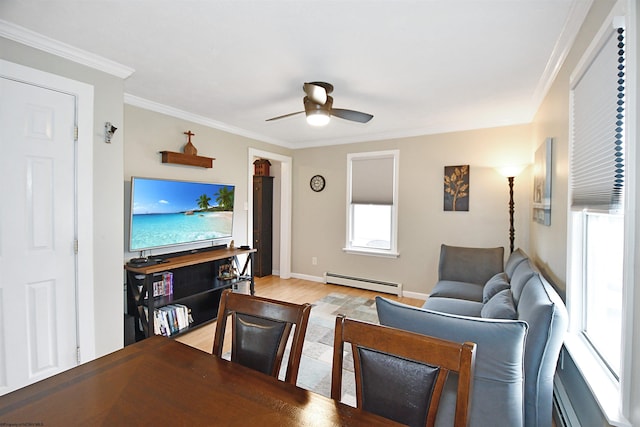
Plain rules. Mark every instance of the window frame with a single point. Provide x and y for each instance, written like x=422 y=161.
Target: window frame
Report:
x=392 y=252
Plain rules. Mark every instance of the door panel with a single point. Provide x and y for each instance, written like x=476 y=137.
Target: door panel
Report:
x=42 y=333
x=37 y=233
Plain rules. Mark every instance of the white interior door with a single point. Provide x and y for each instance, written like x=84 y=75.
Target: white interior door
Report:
x=38 y=328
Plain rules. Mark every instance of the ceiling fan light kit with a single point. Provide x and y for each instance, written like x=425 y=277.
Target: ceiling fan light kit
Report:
x=318 y=118
x=318 y=114
x=318 y=106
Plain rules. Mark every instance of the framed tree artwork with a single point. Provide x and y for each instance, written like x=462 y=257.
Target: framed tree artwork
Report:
x=542 y=183
x=456 y=188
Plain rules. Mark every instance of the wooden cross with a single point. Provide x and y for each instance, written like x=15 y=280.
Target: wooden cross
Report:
x=189 y=148
x=189 y=135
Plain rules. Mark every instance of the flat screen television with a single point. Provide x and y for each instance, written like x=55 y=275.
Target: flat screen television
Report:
x=170 y=213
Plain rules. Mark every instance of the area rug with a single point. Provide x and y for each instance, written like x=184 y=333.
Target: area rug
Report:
x=317 y=353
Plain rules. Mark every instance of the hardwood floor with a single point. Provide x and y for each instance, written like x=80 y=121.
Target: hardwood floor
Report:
x=292 y=290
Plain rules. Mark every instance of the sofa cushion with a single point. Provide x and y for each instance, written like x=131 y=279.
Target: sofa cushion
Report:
x=472 y=265
x=494 y=285
x=500 y=306
x=515 y=258
x=460 y=290
x=454 y=306
x=498 y=377
x=520 y=278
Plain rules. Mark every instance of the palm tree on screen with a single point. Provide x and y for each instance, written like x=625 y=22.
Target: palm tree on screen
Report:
x=203 y=201
x=224 y=197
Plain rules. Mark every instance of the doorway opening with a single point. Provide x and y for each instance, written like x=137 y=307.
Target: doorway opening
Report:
x=281 y=170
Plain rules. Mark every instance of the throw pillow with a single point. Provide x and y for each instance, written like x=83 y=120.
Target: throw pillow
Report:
x=501 y=306
x=494 y=285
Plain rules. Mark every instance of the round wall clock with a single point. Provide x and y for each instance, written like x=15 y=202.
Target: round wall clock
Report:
x=317 y=183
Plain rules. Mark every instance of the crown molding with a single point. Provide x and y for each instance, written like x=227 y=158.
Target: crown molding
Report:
x=146 y=104
x=137 y=101
x=411 y=133
x=30 y=38
x=575 y=19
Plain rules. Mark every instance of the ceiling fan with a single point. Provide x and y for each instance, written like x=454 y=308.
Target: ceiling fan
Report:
x=318 y=106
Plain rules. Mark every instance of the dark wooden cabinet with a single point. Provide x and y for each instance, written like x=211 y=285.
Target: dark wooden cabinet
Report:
x=263 y=225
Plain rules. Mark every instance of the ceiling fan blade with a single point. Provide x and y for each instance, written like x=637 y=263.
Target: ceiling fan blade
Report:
x=354 y=116
x=283 y=116
x=315 y=92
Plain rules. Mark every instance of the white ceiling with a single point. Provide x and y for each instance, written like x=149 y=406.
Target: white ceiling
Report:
x=420 y=67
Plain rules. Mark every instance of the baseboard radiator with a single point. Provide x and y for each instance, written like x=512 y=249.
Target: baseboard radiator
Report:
x=361 y=283
x=563 y=411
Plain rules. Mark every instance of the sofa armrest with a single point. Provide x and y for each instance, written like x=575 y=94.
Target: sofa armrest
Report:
x=498 y=378
x=472 y=265
x=545 y=313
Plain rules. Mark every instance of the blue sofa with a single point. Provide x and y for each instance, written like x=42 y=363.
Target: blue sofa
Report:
x=515 y=317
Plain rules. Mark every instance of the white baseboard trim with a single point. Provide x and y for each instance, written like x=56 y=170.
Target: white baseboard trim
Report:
x=320 y=279
x=308 y=277
x=364 y=283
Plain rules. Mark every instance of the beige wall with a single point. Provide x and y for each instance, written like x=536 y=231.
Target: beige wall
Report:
x=107 y=189
x=319 y=219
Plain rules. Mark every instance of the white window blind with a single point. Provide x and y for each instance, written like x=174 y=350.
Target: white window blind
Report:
x=372 y=180
x=597 y=164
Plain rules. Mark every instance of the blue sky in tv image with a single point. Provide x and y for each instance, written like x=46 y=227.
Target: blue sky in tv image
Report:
x=153 y=196
x=167 y=213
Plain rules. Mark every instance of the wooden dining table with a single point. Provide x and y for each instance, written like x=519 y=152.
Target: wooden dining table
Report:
x=162 y=382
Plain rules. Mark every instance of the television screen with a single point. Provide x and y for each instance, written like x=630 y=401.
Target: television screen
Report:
x=168 y=213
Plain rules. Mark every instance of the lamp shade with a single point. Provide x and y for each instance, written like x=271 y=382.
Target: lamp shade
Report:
x=510 y=170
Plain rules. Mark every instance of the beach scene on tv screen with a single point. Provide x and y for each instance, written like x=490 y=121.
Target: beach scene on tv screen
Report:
x=168 y=213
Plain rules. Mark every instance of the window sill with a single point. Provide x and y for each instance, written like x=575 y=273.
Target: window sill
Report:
x=371 y=252
x=604 y=388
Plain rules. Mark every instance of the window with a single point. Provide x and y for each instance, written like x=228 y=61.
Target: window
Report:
x=598 y=253
x=597 y=179
x=372 y=207
x=602 y=286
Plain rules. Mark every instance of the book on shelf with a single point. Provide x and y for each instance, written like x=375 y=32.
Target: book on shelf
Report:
x=167 y=282
x=170 y=319
x=162 y=285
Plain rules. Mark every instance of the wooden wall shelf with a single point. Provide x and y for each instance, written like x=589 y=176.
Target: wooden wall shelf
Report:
x=187 y=159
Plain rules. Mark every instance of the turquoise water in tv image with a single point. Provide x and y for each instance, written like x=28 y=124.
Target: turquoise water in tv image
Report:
x=154 y=230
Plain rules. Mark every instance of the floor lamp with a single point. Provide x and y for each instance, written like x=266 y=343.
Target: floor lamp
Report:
x=510 y=172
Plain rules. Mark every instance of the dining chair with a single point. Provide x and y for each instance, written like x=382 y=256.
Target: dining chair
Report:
x=400 y=375
x=260 y=329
